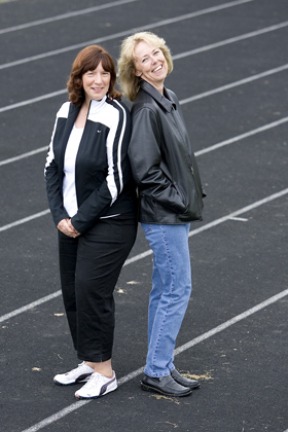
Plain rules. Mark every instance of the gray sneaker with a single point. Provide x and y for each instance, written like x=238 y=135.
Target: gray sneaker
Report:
x=80 y=374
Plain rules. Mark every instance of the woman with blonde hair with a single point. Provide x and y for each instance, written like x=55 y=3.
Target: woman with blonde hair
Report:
x=170 y=192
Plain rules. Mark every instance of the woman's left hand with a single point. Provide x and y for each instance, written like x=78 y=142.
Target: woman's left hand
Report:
x=73 y=230
x=65 y=226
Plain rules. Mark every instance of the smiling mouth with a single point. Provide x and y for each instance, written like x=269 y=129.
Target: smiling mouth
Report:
x=158 y=69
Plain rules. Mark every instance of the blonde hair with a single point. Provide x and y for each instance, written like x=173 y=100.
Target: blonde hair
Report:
x=130 y=83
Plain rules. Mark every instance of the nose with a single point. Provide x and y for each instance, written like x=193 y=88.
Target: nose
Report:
x=97 y=78
x=154 y=60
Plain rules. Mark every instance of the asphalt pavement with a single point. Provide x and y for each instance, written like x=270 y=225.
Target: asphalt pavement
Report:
x=230 y=74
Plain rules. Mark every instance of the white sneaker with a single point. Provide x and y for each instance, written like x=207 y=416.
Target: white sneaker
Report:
x=98 y=385
x=79 y=374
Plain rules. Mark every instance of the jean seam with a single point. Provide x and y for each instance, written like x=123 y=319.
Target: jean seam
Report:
x=164 y=362
x=171 y=290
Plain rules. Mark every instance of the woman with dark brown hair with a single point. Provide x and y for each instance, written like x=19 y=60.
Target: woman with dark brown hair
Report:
x=92 y=199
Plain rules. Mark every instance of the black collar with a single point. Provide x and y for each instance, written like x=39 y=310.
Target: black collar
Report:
x=163 y=101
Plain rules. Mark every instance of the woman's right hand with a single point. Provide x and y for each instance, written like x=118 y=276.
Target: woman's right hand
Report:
x=66 y=228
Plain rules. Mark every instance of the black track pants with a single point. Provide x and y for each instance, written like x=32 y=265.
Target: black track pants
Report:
x=89 y=268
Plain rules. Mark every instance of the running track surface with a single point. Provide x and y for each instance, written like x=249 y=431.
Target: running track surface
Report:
x=230 y=74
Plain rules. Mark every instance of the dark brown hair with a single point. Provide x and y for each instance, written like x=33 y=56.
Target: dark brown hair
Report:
x=87 y=60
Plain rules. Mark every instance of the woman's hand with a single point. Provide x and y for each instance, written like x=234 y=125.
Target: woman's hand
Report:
x=66 y=227
x=75 y=232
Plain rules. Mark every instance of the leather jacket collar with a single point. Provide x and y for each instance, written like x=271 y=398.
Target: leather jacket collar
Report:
x=164 y=101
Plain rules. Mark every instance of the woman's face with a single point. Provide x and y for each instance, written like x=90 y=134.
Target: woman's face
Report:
x=150 y=64
x=96 y=83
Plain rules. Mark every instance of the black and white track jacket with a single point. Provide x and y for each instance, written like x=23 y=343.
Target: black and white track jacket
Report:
x=103 y=181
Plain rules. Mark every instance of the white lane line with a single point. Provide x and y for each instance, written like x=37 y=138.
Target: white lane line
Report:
x=29 y=306
x=240 y=82
x=33 y=100
x=237 y=138
x=231 y=40
x=23 y=155
x=64 y=16
x=184 y=101
x=198 y=153
x=143 y=255
x=203 y=95
x=232 y=321
x=57 y=416
x=240 y=219
x=236 y=213
x=124 y=33
x=76 y=405
x=24 y=220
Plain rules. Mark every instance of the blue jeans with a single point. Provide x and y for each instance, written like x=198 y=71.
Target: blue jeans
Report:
x=170 y=293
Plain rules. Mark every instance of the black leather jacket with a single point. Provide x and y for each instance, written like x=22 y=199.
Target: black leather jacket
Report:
x=162 y=160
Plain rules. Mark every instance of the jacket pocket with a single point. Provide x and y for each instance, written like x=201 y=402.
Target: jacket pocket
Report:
x=182 y=197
